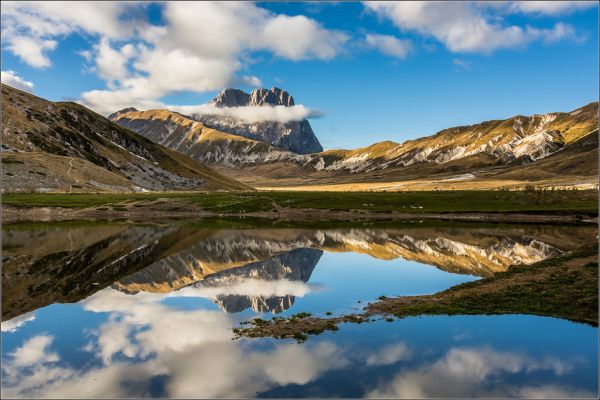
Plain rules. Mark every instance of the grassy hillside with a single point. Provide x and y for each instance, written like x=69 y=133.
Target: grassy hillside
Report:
x=37 y=132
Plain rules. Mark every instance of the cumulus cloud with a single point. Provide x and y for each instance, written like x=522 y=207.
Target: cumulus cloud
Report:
x=143 y=339
x=30 y=29
x=10 y=78
x=111 y=64
x=299 y=38
x=34 y=351
x=168 y=59
x=389 y=355
x=463 y=372
x=390 y=45
x=252 y=81
x=549 y=7
x=142 y=63
x=463 y=26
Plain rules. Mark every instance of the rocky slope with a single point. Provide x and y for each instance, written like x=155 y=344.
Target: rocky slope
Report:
x=175 y=130
x=489 y=145
x=48 y=265
x=295 y=136
x=49 y=146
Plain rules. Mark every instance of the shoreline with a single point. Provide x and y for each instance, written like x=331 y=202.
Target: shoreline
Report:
x=11 y=214
x=561 y=287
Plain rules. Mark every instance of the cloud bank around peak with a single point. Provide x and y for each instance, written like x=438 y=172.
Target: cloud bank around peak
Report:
x=252 y=114
x=107 y=102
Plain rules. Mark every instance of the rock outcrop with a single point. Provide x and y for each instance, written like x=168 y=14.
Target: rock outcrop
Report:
x=295 y=136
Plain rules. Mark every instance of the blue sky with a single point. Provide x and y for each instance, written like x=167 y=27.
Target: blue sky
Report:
x=392 y=71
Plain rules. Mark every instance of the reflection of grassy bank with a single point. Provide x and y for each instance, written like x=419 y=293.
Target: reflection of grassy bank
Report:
x=409 y=202
x=563 y=287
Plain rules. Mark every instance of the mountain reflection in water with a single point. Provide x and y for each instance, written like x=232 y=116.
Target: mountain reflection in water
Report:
x=261 y=269
x=145 y=315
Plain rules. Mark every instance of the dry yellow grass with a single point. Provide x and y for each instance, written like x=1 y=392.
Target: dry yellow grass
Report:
x=429 y=185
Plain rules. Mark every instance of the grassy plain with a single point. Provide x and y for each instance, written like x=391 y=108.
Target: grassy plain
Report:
x=467 y=201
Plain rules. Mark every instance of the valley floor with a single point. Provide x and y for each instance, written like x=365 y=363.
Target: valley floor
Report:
x=469 y=205
x=452 y=182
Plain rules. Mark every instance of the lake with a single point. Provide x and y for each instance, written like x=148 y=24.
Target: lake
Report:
x=112 y=309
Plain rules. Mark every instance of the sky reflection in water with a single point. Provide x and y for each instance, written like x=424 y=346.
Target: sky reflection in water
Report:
x=134 y=338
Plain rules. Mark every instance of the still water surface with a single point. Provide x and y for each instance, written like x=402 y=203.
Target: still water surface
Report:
x=121 y=310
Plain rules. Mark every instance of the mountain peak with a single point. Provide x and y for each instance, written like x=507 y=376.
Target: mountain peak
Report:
x=123 y=111
x=258 y=97
x=273 y=97
x=230 y=97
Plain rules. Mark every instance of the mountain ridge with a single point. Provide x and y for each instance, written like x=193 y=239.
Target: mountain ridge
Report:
x=55 y=146
x=491 y=144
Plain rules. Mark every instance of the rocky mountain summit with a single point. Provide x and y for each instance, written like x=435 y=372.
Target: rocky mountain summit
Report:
x=258 y=97
x=295 y=136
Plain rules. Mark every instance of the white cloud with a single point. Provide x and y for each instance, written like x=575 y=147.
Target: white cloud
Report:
x=389 y=355
x=31 y=50
x=30 y=29
x=168 y=59
x=33 y=351
x=192 y=347
x=464 y=372
x=251 y=81
x=550 y=7
x=250 y=114
x=250 y=287
x=462 y=63
x=463 y=26
x=298 y=38
x=106 y=102
x=553 y=392
x=10 y=78
x=389 y=45
x=111 y=64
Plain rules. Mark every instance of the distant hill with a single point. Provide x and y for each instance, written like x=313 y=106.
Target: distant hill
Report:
x=498 y=147
x=63 y=146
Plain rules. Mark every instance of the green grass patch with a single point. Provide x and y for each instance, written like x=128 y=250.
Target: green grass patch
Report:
x=557 y=201
x=547 y=288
